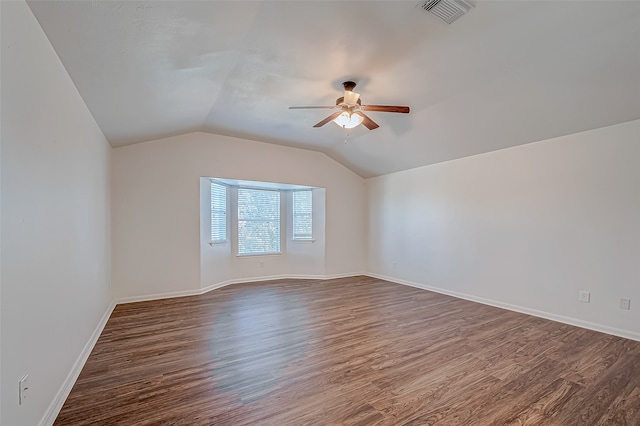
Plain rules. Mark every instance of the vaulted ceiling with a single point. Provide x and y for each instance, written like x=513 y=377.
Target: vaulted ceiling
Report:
x=505 y=74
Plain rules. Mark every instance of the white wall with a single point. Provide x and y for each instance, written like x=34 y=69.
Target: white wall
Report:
x=55 y=219
x=525 y=227
x=156 y=190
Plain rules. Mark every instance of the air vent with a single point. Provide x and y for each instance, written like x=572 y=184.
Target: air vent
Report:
x=446 y=10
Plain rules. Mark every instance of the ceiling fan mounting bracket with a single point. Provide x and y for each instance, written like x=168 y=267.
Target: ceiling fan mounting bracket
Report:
x=349 y=85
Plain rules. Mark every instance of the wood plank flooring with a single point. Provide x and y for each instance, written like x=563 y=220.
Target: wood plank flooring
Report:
x=353 y=351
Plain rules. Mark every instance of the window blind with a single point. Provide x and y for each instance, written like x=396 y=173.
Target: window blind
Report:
x=258 y=221
x=302 y=219
x=218 y=213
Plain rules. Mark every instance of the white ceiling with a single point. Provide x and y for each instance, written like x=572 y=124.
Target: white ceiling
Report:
x=508 y=73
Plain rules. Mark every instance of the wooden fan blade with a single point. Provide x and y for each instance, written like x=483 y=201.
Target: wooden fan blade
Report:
x=368 y=123
x=313 y=107
x=328 y=119
x=386 y=108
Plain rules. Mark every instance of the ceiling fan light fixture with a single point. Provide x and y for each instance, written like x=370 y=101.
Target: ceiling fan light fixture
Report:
x=348 y=120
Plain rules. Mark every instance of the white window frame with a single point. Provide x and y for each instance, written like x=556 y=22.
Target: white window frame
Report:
x=224 y=211
x=295 y=215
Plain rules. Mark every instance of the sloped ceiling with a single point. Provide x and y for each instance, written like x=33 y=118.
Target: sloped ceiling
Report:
x=508 y=73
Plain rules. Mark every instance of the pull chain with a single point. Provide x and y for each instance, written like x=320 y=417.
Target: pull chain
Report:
x=346 y=131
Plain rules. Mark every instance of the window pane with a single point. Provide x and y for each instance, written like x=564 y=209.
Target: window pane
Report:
x=258 y=221
x=302 y=221
x=218 y=213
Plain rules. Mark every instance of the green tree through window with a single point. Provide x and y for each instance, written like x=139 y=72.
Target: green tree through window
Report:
x=258 y=221
x=302 y=220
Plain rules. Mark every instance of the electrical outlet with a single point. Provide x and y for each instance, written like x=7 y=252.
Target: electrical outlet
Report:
x=584 y=296
x=23 y=388
x=625 y=304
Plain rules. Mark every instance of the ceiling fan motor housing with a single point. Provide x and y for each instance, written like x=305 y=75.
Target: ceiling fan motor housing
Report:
x=340 y=100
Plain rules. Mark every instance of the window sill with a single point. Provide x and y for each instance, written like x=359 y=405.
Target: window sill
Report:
x=217 y=243
x=257 y=255
x=301 y=240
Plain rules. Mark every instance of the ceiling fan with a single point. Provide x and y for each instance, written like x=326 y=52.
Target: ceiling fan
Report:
x=350 y=111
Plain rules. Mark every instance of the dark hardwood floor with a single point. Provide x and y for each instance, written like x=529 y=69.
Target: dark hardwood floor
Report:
x=353 y=351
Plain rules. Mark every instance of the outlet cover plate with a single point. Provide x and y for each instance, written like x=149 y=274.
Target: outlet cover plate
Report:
x=584 y=297
x=23 y=388
x=625 y=304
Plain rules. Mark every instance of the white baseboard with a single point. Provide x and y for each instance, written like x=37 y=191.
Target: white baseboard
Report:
x=156 y=296
x=627 y=334
x=214 y=286
x=58 y=401
x=277 y=277
x=336 y=276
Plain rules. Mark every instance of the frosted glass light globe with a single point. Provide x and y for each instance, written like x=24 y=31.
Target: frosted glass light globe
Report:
x=348 y=120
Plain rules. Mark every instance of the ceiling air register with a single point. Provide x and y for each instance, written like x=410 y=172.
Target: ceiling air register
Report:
x=446 y=10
